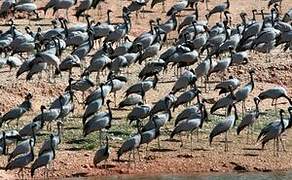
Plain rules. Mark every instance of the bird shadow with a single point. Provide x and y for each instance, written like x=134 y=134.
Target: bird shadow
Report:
x=217 y=114
x=200 y=149
x=171 y=140
x=224 y=141
x=250 y=154
x=185 y=156
x=5 y=71
x=44 y=24
x=252 y=149
x=77 y=141
x=147 y=11
x=73 y=149
x=37 y=19
x=106 y=166
x=118 y=133
x=161 y=150
x=117 y=118
x=71 y=128
x=189 y=9
x=4 y=25
x=42 y=134
x=120 y=160
x=165 y=82
x=119 y=109
x=79 y=174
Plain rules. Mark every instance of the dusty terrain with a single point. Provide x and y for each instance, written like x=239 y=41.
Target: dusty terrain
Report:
x=75 y=154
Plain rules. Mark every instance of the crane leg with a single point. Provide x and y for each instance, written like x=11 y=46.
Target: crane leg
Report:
x=129 y=159
x=191 y=134
x=251 y=132
x=158 y=142
x=247 y=133
x=283 y=144
x=83 y=96
x=278 y=148
x=97 y=77
x=19 y=173
x=226 y=148
x=206 y=89
x=276 y=106
x=146 y=150
x=242 y=108
x=22 y=173
x=67 y=16
x=198 y=138
x=143 y=12
x=139 y=157
x=163 y=7
x=17 y=120
x=181 y=143
x=207 y=8
x=104 y=164
x=274 y=148
x=115 y=98
x=134 y=157
x=47 y=172
x=100 y=138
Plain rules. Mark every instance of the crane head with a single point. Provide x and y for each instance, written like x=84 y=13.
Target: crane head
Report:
x=108 y=101
x=252 y=71
x=43 y=108
x=256 y=99
x=282 y=111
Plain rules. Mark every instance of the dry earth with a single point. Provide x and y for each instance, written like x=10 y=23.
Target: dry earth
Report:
x=73 y=160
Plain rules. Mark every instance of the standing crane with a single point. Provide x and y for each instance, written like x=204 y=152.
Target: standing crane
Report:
x=225 y=126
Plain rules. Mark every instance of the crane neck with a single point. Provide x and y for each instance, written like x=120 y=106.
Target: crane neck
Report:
x=257 y=108
x=290 y=119
x=110 y=113
x=66 y=28
x=253 y=16
x=102 y=94
x=59 y=130
x=228 y=4
x=52 y=146
x=282 y=122
x=107 y=145
x=155 y=81
x=108 y=17
x=243 y=20
x=4 y=142
x=251 y=81
x=198 y=97
x=196 y=12
x=169 y=114
x=31 y=149
x=142 y=91
x=235 y=114
x=33 y=134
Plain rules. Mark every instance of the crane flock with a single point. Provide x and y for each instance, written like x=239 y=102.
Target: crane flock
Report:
x=99 y=59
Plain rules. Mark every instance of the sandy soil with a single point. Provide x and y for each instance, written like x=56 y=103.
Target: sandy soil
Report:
x=72 y=162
